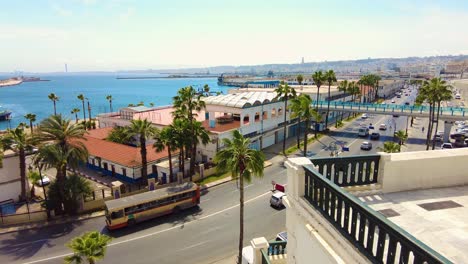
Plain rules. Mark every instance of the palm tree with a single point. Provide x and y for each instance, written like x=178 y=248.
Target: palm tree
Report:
x=206 y=89
x=144 y=130
x=34 y=177
x=109 y=98
x=32 y=118
x=318 y=78
x=330 y=77
x=302 y=108
x=186 y=102
x=200 y=135
x=75 y=112
x=91 y=246
x=120 y=135
x=343 y=87
x=243 y=163
x=179 y=130
x=300 y=79
x=402 y=137
x=82 y=98
x=164 y=139
x=54 y=98
x=19 y=142
x=442 y=93
x=285 y=92
x=390 y=147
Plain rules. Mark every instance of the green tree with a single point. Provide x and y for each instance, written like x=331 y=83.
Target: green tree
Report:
x=302 y=108
x=285 y=92
x=343 y=87
x=19 y=142
x=32 y=118
x=390 y=147
x=33 y=177
x=206 y=89
x=164 y=139
x=318 y=78
x=330 y=77
x=109 y=98
x=179 y=131
x=82 y=98
x=401 y=136
x=54 y=98
x=243 y=163
x=141 y=103
x=187 y=103
x=91 y=247
x=144 y=130
x=120 y=135
x=75 y=112
x=201 y=135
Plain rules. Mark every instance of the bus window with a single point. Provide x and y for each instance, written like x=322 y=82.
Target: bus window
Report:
x=117 y=214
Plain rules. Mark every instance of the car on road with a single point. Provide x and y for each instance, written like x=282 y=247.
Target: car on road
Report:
x=457 y=96
x=446 y=146
x=393 y=100
x=383 y=127
x=406 y=103
x=459 y=123
x=374 y=135
x=395 y=115
x=276 y=199
x=438 y=136
x=45 y=181
x=366 y=145
x=364 y=116
x=363 y=132
x=457 y=135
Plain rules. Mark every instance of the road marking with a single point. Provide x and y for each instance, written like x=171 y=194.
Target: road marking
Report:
x=195 y=245
x=32 y=242
x=157 y=232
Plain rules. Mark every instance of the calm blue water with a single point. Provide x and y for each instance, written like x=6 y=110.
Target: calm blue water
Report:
x=31 y=97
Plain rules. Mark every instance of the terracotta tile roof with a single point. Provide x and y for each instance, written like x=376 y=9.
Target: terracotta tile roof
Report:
x=100 y=133
x=119 y=153
x=221 y=127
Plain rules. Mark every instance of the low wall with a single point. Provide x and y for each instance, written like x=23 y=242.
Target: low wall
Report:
x=23 y=218
x=423 y=169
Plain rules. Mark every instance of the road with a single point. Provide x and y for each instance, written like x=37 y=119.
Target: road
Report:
x=203 y=235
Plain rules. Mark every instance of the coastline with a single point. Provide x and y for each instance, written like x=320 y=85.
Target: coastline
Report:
x=10 y=82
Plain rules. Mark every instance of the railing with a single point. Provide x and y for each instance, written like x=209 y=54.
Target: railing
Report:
x=349 y=171
x=378 y=239
x=275 y=248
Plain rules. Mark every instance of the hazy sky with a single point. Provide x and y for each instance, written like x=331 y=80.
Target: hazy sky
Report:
x=42 y=35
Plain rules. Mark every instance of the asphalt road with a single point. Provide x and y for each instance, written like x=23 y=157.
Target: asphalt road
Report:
x=202 y=235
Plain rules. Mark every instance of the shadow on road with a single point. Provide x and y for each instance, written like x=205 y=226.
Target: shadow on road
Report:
x=26 y=243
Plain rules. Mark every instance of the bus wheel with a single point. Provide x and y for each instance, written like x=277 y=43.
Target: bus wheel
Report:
x=131 y=222
x=176 y=210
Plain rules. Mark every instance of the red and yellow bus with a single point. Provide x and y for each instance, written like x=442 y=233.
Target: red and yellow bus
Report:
x=136 y=208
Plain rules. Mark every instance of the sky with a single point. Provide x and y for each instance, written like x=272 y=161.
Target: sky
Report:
x=109 y=35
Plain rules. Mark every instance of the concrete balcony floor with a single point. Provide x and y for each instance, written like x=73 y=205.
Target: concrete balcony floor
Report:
x=438 y=217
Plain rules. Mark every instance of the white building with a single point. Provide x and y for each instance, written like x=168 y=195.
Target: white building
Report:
x=10 y=180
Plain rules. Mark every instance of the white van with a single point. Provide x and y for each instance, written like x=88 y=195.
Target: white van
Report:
x=363 y=132
x=457 y=96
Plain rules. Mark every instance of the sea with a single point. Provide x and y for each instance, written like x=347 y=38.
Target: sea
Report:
x=32 y=97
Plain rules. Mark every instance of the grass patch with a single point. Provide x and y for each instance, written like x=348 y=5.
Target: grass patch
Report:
x=294 y=148
x=214 y=177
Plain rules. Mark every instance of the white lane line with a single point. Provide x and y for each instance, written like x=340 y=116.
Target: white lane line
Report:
x=158 y=232
x=192 y=246
x=31 y=242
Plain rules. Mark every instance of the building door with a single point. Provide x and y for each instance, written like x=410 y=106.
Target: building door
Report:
x=164 y=180
x=105 y=166
x=154 y=168
x=113 y=170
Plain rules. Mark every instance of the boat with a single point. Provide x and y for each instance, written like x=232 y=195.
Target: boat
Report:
x=5 y=114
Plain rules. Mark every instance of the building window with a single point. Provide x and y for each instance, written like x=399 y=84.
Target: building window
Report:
x=124 y=171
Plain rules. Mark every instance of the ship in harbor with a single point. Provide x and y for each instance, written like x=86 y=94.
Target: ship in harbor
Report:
x=5 y=114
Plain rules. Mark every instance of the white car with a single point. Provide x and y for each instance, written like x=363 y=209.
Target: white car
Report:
x=446 y=146
x=45 y=181
x=459 y=123
x=364 y=116
x=393 y=101
x=383 y=127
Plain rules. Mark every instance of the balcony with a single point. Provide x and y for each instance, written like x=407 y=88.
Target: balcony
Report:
x=383 y=208
x=275 y=253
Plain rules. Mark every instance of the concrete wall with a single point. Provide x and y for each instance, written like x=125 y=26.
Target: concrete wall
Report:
x=24 y=218
x=10 y=190
x=311 y=238
x=423 y=169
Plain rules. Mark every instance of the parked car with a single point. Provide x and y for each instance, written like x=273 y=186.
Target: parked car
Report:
x=276 y=199
x=393 y=100
x=460 y=123
x=374 y=136
x=457 y=96
x=366 y=145
x=45 y=181
x=406 y=103
x=457 y=135
x=283 y=236
x=446 y=146
x=383 y=127
x=364 y=116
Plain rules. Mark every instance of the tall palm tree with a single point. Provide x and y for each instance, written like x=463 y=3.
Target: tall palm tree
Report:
x=91 y=246
x=343 y=87
x=187 y=102
x=285 y=92
x=402 y=137
x=201 y=135
x=179 y=129
x=75 y=112
x=82 y=98
x=164 y=139
x=32 y=118
x=243 y=163
x=302 y=108
x=54 y=98
x=19 y=142
x=60 y=145
x=442 y=92
x=299 y=79
x=206 y=89
x=144 y=130
x=330 y=77
x=109 y=98
x=390 y=147
x=376 y=79
x=318 y=78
